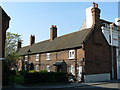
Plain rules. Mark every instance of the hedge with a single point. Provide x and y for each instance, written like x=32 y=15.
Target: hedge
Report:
x=19 y=79
x=43 y=77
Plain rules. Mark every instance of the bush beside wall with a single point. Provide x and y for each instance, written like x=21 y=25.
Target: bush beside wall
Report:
x=45 y=77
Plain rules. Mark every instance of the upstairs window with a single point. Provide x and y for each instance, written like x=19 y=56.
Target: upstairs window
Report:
x=26 y=57
x=48 y=56
x=71 y=54
x=37 y=57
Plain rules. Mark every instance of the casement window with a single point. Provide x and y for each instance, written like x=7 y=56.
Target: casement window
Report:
x=71 y=54
x=37 y=68
x=37 y=57
x=48 y=68
x=72 y=70
x=26 y=58
x=48 y=56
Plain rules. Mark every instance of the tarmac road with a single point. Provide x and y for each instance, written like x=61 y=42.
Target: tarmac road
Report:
x=109 y=85
x=106 y=85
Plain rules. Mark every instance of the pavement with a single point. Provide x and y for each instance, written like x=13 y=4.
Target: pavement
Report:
x=68 y=85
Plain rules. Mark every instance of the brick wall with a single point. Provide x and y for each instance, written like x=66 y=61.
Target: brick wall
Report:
x=97 y=54
x=59 y=56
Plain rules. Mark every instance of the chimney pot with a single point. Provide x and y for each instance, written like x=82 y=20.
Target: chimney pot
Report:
x=96 y=15
x=95 y=5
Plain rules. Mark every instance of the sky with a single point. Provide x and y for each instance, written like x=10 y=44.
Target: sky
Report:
x=36 y=18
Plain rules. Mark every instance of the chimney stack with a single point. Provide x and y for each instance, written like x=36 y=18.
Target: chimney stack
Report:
x=96 y=15
x=53 y=32
x=32 y=40
x=19 y=44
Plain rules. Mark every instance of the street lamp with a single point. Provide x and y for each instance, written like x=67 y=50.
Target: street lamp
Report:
x=28 y=52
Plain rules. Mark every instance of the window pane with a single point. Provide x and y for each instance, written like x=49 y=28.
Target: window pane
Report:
x=48 y=56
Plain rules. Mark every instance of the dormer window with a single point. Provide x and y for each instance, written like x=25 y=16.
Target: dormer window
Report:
x=71 y=54
x=48 y=56
x=37 y=57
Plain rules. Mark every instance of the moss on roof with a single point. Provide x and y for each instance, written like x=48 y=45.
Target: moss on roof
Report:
x=67 y=41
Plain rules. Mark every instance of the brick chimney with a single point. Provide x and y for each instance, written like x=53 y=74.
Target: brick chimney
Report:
x=19 y=44
x=96 y=15
x=32 y=39
x=53 y=32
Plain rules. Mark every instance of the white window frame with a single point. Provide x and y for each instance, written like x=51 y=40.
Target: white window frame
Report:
x=48 y=68
x=37 y=67
x=48 y=56
x=71 y=54
x=37 y=57
x=26 y=58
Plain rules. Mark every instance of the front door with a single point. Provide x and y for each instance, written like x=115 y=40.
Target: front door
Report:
x=58 y=68
x=79 y=76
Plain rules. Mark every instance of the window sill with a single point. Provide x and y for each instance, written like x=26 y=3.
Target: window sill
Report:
x=48 y=59
x=71 y=58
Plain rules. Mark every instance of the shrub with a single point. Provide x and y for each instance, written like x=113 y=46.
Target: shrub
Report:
x=12 y=72
x=33 y=71
x=22 y=72
x=19 y=79
x=43 y=71
x=45 y=77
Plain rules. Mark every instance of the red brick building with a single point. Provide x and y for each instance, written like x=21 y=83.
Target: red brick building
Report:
x=4 y=25
x=82 y=53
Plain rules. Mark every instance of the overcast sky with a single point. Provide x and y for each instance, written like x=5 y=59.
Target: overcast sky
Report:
x=37 y=17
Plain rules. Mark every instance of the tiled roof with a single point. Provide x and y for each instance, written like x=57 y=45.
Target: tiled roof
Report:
x=67 y=41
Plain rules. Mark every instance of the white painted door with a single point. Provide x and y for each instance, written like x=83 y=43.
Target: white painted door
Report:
x=79 y=73
x=72 y=70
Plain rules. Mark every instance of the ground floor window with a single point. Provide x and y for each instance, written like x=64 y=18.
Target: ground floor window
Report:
x=48 y=68
x=37 y=68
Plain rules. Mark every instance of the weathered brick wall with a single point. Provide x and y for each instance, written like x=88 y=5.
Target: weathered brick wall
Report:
x=57 y=57
x=97 y=54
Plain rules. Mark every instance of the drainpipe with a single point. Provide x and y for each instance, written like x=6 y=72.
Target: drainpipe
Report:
x=76 y=71
x=111 y=28
x=39 y=61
